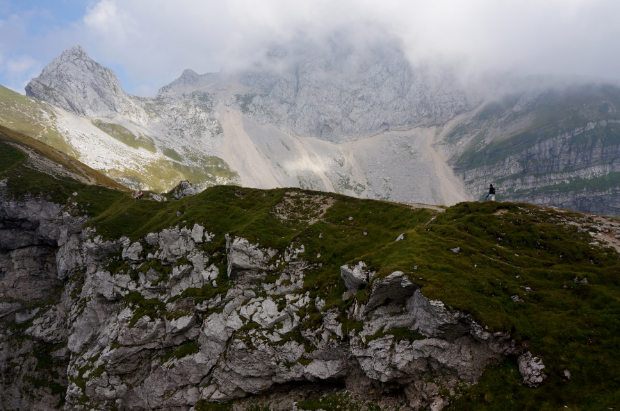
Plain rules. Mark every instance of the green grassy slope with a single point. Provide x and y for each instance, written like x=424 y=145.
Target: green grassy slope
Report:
x=33 y=118
x=505 y=247
x=12 y=136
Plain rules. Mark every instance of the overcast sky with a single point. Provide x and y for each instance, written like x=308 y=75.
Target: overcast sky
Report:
x=148 y=43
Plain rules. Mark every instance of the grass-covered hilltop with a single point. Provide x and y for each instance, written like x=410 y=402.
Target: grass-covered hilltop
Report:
x=238 y=298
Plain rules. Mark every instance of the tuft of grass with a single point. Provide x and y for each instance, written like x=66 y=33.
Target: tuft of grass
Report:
x=189 y=348
x=152 y=308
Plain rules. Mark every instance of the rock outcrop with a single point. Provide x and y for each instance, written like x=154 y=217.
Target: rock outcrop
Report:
x=356 y=277
x=184 y=189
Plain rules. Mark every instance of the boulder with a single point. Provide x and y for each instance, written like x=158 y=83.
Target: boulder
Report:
x=185 y=189
x=247 y=262
x=395 y=288
x=132 y=253
x=354 y=278
x=531 y=368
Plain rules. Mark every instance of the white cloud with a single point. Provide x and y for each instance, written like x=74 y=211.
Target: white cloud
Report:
x=19 y=70
x=552 y=36
x=155 y=41
x=144 y=91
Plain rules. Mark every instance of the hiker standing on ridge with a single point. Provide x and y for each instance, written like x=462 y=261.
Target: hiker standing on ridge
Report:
x=491 y=195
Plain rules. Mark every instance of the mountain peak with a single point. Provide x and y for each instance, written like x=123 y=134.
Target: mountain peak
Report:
x=77 y=50
x=79 y=84
x=189 y=74
x=189 y=80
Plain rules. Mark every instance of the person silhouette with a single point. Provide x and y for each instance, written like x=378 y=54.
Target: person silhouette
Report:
x=491 y=195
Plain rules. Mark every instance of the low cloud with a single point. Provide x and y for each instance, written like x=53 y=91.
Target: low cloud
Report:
x=155 y=43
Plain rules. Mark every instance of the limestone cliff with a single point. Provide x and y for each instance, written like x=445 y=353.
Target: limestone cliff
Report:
x=347 y=95
x=557 y=147
x=120 y=331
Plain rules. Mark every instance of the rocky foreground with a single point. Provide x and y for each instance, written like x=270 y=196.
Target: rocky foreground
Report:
x=133 y=341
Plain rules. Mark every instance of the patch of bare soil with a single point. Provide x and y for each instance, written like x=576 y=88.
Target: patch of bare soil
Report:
x=303 y=208
x=430 y=207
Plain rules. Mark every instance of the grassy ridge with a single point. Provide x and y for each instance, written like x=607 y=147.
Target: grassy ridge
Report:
x=506 y=249
x=31 y=117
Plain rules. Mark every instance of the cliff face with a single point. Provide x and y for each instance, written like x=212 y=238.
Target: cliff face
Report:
x=117 y=327
x=349 y=95
x=33 y=311
x=556 y=147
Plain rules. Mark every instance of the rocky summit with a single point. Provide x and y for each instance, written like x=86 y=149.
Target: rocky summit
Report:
x=288 y=299
x=76 y=83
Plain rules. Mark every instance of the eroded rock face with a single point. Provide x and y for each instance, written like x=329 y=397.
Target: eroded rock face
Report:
x=31 y=293
x=247 y=262
x=169 y=330
x=396 y=288
x=346 y=95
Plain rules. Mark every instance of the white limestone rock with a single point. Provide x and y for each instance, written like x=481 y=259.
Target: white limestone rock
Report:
x=247 y=262
x=50 y=326
x=132 y=253
x=354 y=278
x=531 y=369
x=341 y=96
x=198 y=233
x=185 y=189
